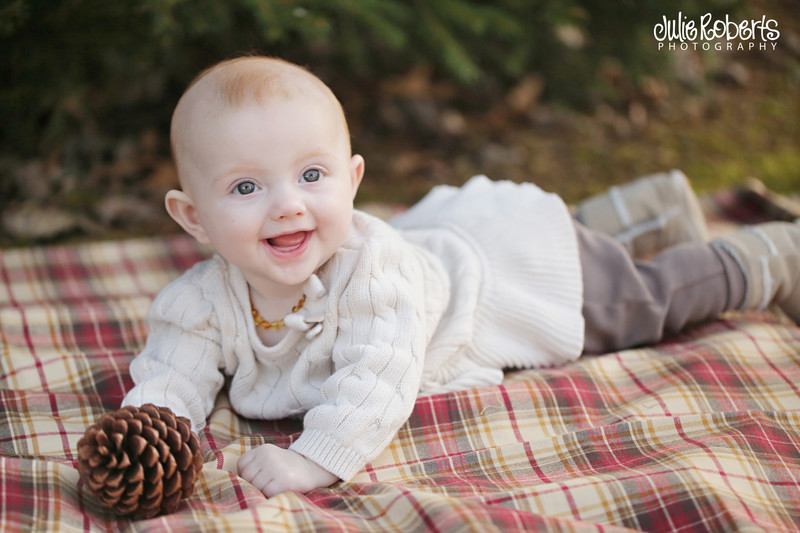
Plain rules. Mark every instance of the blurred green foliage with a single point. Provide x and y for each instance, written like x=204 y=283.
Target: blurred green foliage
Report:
x=82 y=66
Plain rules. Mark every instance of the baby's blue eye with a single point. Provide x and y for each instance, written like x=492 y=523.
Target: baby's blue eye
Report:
x=246 y=187
x=311 y=175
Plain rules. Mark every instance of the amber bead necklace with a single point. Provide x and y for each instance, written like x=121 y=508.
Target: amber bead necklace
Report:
x=277 y=324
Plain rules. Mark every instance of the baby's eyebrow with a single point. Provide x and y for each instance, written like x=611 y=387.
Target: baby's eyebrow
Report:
x=235 y=172
x=317 y=151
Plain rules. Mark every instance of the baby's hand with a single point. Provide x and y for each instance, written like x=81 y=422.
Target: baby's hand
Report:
x=273 y=470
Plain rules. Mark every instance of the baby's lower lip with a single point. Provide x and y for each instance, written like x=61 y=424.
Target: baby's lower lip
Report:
x=289 y=244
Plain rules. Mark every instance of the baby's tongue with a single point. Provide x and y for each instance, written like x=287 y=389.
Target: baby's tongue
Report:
x=289 y=240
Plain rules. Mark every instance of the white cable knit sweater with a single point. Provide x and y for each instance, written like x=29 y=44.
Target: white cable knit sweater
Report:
x=478 y=278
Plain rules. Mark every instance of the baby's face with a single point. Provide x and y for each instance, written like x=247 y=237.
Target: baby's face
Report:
x=273 y=187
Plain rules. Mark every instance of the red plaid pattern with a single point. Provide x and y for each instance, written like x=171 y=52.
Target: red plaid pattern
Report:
x=698 y=434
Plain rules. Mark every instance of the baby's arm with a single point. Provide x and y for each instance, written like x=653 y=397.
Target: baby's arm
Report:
x=273 y=470
x=179 y=365
x=377 y=358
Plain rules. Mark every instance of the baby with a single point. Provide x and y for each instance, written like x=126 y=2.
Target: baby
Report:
x=313 y=308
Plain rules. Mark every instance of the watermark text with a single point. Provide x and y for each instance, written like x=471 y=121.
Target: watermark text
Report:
x=684 y=33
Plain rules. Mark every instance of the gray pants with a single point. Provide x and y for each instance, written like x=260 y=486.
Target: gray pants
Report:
x=630 y=303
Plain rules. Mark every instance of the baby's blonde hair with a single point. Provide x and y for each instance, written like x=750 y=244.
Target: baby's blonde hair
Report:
x=241 y=81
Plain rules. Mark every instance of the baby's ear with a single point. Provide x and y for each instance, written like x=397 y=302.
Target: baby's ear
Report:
x=181 y=208
x=356 y=172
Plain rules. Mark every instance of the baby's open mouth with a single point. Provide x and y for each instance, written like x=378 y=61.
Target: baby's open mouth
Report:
x=288 y=241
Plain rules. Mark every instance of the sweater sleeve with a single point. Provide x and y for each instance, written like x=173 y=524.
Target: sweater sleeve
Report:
x=378 y=359
x=179 y=366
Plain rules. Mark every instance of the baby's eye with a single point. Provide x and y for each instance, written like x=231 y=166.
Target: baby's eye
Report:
x=244 y=188
x=312 y=175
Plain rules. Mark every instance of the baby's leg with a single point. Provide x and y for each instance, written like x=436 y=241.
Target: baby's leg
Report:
x=648 y=214
x=630 y=303
x=769 y=257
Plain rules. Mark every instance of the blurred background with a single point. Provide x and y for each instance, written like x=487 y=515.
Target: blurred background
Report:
x=571 y=94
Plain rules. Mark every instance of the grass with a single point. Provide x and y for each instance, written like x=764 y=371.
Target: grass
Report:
x=719 y=134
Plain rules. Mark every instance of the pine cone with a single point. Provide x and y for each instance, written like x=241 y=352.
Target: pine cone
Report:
x=140 y=461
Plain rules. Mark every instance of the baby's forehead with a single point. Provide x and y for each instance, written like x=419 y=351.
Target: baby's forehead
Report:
x=256 y=82
x=222 y=92
x=233 y=87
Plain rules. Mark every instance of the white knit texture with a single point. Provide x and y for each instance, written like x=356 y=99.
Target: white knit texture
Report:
x=486 y=277
x=512 y=255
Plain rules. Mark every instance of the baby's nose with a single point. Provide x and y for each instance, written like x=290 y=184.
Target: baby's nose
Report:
x=286 y=203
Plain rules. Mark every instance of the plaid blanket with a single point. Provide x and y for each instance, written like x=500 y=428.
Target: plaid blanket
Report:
x=700 y=433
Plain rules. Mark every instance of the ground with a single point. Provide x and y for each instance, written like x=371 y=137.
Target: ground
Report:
x=720 y=117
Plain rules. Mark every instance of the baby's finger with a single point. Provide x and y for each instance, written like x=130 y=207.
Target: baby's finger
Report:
x=272 y=489
x=244 y=460
x=250 y=457
x=262 y=482
x=248 y=465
